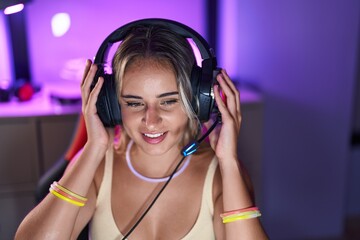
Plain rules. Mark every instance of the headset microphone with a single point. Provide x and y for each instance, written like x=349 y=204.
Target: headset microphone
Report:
x=193 y=146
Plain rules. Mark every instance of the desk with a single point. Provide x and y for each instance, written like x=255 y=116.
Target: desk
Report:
x=34 y=134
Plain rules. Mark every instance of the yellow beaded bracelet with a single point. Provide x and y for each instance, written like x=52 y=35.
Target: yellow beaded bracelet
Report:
x=241 y=216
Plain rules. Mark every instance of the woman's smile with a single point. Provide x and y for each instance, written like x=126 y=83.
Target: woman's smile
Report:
x=154 y=138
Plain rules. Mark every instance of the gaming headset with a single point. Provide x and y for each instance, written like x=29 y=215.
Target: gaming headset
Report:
x=202 y=78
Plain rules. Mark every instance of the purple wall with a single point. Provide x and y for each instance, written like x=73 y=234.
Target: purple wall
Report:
x=92 y=21
x=302 y=55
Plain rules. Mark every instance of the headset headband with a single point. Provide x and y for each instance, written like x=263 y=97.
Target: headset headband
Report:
x=119 y=34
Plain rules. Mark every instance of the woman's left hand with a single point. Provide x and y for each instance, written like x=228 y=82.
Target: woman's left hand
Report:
x=224 y=138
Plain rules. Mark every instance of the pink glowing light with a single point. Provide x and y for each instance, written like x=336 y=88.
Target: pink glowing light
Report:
x=14 y=9
x=197 y=53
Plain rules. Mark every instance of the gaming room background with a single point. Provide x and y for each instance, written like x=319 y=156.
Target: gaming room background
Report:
x=297 y=60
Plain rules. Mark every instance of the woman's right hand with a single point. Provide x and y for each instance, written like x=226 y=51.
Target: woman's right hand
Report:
x=97 y=134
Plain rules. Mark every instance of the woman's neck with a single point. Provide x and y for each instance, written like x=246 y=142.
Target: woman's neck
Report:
x=155 y=166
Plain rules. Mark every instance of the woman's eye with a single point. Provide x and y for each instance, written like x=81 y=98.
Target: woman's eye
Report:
x=134 y=104
x=169 y=102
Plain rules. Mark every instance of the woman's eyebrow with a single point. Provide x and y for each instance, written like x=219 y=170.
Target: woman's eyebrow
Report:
x=131 y=96
x=167 y=94
x=158 y=96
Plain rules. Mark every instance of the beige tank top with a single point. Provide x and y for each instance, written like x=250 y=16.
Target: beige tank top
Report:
x=103 y=226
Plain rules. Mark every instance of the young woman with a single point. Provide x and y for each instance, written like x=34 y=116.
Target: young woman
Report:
x=112 y=183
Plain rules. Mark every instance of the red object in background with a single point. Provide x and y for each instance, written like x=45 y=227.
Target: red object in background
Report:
x=25 y=92
x=78 y=141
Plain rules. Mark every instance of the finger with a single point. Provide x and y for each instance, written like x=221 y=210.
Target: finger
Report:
x=228 y=80
x=227 y=91
x=232 y=95
x=237 y=97
x=95 y=93
x=90 y=76
x=221 y=105
x=86 y=70
x=85 y=88
x=232 y=86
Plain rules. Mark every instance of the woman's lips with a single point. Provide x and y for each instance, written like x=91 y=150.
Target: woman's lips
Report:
x=154 y=138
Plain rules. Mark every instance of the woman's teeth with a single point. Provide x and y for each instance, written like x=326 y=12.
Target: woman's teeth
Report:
x=155 y=135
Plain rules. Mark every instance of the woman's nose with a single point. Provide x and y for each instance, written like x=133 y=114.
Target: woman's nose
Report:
x=152 y=118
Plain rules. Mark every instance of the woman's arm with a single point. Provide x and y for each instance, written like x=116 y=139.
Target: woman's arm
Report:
x=55 y=218
x=235 y=194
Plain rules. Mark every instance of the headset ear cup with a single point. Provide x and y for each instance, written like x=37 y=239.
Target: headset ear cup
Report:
x=206 y=90
x=113 y=101
x=107 y=105
x=195 y=80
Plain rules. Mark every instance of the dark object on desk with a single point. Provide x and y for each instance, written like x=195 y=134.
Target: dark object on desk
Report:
x=5 y=95
x=21 y=89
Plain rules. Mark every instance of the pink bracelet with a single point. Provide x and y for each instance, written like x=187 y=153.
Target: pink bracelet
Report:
x=228 y=213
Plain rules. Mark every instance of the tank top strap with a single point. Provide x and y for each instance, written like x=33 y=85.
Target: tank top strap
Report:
x=203 y=228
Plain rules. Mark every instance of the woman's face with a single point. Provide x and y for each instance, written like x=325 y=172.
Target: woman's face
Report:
x=151 y=109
